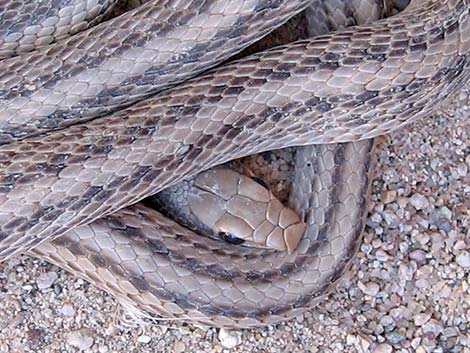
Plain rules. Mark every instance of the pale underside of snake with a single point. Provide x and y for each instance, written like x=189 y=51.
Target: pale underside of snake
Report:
x=351 y=85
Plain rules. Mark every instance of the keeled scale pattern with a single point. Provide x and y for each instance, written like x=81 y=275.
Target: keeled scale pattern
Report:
x=146 y=259
x=301 y=94
x=27 y=25
x=128 y=58
x=195 y=126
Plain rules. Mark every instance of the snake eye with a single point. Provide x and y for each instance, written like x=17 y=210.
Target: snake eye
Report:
x=231 y=239
x=261 y=182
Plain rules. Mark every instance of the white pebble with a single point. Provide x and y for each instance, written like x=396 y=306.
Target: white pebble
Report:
x=363 y=343
x=369 y=288
x=463 y=259
x=405 y=272
x=422 y=238
x=451 y=332
x=445 y=212
x=386 y=321
x=381 y=255
x=179 y=347
x=418 y=255
x=421 y=349
x=144 y=339
x=350 y=339
x=103 y=349
x=45 y=280
x=391 y=219
x=422 y=283
x=67 y=310
x=421 y=318
x=415 y=342
x=403 y=246
x=434 y=327
x=80 y=339
x=27 y=287
x=462 y=169
x=419 y=201
x=374 y=220
x=459 y=245
x=229 y=339
x=383 y=348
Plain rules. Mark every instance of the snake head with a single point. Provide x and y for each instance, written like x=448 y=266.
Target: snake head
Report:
x=237 y=207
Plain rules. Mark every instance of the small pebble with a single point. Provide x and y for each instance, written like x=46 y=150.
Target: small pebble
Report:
x=422 y=238
x=144 y=339
x=389 y=196
x=45 y=280
x=433 y=326
x=350 y=339
x=369 y=288
x=229 y=338
x=394 y=337
x=419 y=201
x=392 y=220
x=383 y=348
x=363 y=343
x=421 y=349
x=415 y=342
x=462 y=169
x=386 y=321
x=445 y=212
x=374 y=220
x=421 y=318
x=450 y=332
x=443 y=224
x=67 y=310
x=36 y=338
x=459 y=245
x=179 y=347
x=57 y=288
x=80 y=338
x=103 y=349
x=418 y=255
x=381 y=255
x=463 y=259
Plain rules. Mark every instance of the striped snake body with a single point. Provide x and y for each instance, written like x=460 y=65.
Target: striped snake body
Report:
x=75 y=184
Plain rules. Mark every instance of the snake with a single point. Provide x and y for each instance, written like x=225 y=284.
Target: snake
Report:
x=81 y=146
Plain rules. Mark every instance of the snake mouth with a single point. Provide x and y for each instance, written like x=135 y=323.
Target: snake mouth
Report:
x=261 y=182
x=231 y=239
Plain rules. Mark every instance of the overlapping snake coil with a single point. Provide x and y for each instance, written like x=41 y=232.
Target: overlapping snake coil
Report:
x=69 y=183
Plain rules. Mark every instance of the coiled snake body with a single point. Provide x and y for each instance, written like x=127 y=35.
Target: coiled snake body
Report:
x=73 y=183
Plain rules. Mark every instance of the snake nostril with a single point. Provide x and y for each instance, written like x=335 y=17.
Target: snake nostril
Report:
x=230 y=238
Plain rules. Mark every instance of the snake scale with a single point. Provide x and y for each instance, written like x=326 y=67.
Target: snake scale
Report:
x=71 y=185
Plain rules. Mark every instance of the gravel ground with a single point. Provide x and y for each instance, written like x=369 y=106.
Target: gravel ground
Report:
x=407 y=291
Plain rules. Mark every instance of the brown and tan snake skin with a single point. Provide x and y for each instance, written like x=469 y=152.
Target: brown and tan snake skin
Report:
x=350 y=85
x=27 y=25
